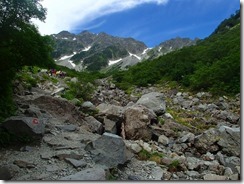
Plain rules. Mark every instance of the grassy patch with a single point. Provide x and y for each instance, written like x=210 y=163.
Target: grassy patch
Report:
x=190 y=119
x=145 y=155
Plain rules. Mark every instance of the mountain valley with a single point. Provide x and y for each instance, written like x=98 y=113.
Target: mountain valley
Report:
x=87 y=106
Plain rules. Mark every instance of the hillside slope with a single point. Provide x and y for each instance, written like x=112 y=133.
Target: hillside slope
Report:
x=213 y=64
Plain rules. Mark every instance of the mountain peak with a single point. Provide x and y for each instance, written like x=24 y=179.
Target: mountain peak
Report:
x=65 y=33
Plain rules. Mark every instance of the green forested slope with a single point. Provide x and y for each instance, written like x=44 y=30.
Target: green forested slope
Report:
x=212 y=65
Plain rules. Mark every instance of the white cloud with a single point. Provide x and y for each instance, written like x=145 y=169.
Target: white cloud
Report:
x=65 y=15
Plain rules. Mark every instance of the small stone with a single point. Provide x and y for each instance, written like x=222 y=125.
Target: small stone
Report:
x=214 y=177
x=187 y=138
x=234 y=177
x=24 y=164
x=168 y=115
x=46 y=155
x=147 y=147
x=193 y=174
x=166 y=161
x=135 y=148
x=228 y=171
x=132 y=177
x=76 y=163
x=208 y=156
x=166 y=176
x=163 y=139
x=52 y=168
x=26 y=148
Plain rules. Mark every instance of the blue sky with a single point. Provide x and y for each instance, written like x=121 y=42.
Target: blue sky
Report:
x=150 y=21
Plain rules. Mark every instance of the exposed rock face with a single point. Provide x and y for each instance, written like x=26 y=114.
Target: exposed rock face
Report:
x=25 y=126
x=137 y=121
x=154 y=101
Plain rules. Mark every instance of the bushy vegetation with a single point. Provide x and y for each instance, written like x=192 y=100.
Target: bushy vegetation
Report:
x=212 y=65
x=85 y=86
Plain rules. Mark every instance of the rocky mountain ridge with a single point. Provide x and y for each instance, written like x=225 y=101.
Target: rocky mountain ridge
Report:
x=98 y=51
x=155 y=133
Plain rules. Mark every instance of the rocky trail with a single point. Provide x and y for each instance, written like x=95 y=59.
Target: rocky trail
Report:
x=155 y=133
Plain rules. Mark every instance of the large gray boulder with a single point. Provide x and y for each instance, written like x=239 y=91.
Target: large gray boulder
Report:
x=25 y=126
x=138 y=118
x=109 y=150
x=154 y=101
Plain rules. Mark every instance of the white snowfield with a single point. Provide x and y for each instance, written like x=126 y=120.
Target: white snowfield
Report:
x=71 y=62
x=111 y=62
x=135 y=56
x=67 y=56
x=145 y=51
x=87 y=48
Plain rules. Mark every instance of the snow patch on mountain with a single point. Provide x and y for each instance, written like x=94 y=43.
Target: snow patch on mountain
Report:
x=135 y=56
x=67 y=56
x=145 y=51
x=87 y=48
x=71 y=62
x=111 y=62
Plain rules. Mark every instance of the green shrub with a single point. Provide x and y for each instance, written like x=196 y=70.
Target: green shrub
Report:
x=154 y=156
